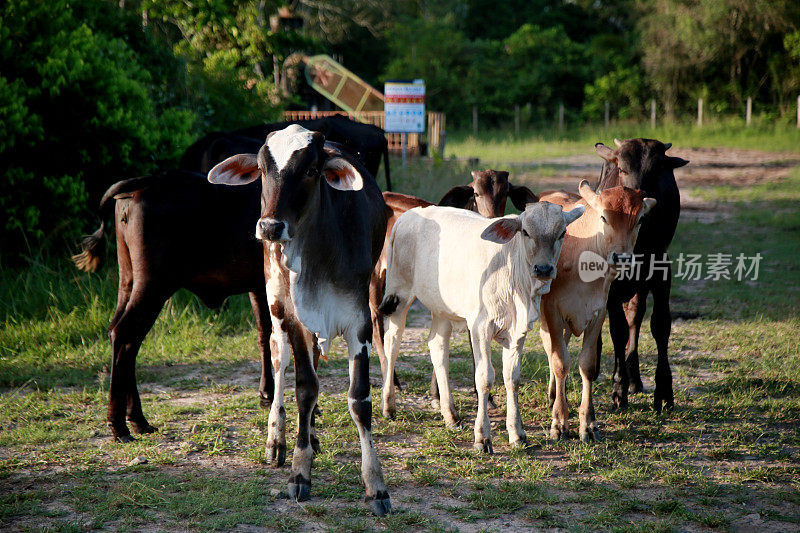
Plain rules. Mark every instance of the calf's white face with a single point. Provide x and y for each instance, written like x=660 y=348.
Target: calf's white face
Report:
x=540 y=229
x=290 y=165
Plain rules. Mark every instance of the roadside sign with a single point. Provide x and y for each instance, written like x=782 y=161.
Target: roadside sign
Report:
x=404 y=106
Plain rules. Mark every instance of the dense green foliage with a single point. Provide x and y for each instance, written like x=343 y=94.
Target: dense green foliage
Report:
x=98 y=90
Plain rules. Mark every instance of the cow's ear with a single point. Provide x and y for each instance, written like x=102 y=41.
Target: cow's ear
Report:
x=458 y=196
x=502 y=230
x=521 y=196
x=676 y=162
x=647 y=205
x=236 y=170
x=605 y=152
x=341 y=175
x=573 y=214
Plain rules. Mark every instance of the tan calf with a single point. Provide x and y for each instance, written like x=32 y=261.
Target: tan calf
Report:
x=608 y=228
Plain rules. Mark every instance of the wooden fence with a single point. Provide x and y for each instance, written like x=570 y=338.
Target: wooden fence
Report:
x=435 y=134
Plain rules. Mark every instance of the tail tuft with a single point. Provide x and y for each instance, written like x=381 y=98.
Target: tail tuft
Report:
x=389 y=304
x=92 y=249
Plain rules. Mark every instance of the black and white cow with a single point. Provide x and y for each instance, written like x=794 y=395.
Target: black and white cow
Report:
x=323 y=222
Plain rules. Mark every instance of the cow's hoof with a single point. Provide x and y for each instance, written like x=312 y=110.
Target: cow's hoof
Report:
x=484 y=447
x=660 y=404
x=124 y=438
x=590 y=435
x=389 y=412
x=300 y=489
x=380 y=505
x=142 y=428
x=276 y=454
x=558 y=433
x=453 y=424
x=521 y=443
x=620 y=400
x=636 y=387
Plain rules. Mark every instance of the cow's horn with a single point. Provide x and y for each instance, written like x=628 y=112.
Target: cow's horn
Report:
x=667 y=146
x=618 y=142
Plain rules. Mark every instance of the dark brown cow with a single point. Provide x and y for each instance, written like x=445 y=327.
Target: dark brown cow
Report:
x=643 y=164
x=166 y=240
x=323 y=223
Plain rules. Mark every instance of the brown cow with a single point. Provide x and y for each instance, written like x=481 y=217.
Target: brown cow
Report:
x=576 y=304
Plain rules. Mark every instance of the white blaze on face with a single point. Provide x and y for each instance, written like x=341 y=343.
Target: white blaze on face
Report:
x=284 y=143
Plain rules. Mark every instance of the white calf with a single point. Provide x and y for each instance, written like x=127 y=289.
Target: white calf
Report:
x=489 y=274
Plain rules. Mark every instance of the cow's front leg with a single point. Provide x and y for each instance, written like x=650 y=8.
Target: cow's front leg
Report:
x=588 y=370
x=359 y=403
x=661 y=327
x=484 y=378
x=558 y=358
x=511 y=374
x=307 y=391
x=276 y=434
x=439 y=345
x=634 y=313
x=619 y=335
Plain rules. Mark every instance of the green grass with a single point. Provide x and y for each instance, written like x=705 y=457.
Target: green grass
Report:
x=502 y=146
x=728 y=450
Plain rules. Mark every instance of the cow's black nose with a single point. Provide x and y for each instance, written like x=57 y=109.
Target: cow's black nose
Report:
x=543 y=271
x=271 y=230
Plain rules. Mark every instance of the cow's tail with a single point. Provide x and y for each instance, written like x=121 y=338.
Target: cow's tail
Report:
x=386 y=166
x=390 y=299
x=93 y=246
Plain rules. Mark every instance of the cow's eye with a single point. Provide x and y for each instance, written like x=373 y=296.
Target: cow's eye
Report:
x=623 y=171
x=525 y=233
x=563 y=235
x=603 y=219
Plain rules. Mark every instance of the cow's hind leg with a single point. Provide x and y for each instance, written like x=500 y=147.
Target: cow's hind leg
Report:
x=434 y=391
x=661 y=327
x=307 y=391
x=634 y=313
x=439 y=345
x=266 y=386
x=126 y=337
x=360 y=406
x=394 y=333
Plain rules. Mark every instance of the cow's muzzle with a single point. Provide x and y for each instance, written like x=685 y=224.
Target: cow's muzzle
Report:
x=269 y=229
x=544 y=272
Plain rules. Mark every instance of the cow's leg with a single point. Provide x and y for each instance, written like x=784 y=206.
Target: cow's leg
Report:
x=619 y=337
x=266 y=386
x=435 y=387
x=588 y=369
x=511 y=372
x=377 y=286
x=439 y=345
x=551 y=381
x=360 y=406
x=558 y=357
x=307 y=391
x=634 y=313
x=661 y=327
x=126 y=337
x=484 y=378
x=280 y=354
x=394 y=333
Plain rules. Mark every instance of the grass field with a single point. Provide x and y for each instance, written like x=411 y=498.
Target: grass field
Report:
x=725 y=458
x=504 y=147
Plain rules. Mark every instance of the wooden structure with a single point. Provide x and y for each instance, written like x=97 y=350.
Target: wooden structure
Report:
x=435 y=131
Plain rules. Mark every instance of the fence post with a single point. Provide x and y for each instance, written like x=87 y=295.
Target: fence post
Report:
x=475 y=120
x=561 y=116
x=699 y=112
x=516 y=120
x=749 y=110
x=607 y=115
x=798 y=112
x=653 y=113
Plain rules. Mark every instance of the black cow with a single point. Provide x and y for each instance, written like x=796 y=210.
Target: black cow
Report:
x=643 y=164
x=323 y=222
x=175 y=230
x=366 y=141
